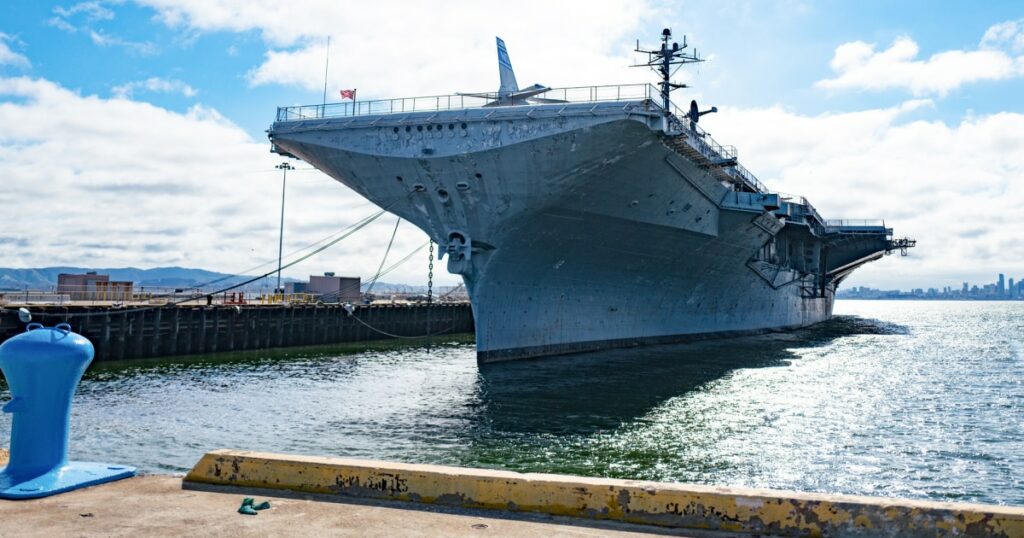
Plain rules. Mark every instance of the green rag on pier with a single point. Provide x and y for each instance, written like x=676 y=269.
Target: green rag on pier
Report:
x=249 y=506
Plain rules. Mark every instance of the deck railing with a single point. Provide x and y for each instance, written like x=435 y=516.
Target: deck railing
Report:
x=750 y=178
x=435 y=103
x=700 y=140
x=855 y=223
x=694 y=135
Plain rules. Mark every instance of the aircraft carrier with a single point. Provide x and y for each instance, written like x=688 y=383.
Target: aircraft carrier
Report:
x=590 y=217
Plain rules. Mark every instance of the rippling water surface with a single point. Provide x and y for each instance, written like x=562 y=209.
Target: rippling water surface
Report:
x=909 y=399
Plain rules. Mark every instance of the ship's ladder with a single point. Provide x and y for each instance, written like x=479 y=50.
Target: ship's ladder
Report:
x=718 y=168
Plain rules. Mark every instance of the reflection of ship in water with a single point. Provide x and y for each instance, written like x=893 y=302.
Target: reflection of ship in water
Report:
x=576 y=395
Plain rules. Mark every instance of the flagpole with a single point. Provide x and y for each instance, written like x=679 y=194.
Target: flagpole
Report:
x=327 y=63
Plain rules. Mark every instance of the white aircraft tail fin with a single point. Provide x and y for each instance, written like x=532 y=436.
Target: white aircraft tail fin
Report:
x=508 y=77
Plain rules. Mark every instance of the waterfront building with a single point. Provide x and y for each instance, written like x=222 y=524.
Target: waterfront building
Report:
x=94 y=287
x=335 y=289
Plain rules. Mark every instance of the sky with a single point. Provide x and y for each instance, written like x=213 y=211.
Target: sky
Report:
x=132 y=132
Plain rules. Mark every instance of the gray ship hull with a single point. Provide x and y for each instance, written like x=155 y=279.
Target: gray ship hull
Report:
x=582 y=229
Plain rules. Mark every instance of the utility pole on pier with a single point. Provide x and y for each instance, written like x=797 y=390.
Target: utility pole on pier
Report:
x=284 y=168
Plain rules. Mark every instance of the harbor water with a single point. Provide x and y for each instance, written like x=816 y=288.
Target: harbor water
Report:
x=909 y=399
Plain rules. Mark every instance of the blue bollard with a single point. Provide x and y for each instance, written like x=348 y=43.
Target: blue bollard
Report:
x=43 y=367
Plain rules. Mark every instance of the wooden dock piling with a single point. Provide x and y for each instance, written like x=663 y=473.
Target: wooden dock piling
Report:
x=145 y=332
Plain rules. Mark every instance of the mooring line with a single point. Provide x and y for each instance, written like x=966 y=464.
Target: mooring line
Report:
x=385 y=333
x=347 y=232
x=385 y=258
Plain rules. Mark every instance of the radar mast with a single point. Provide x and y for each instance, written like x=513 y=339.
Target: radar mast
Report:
x=663 y=60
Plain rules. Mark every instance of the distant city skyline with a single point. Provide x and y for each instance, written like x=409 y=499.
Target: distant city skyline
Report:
x=1001 y=290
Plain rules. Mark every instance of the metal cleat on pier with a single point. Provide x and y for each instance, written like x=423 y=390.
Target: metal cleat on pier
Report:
x=43 y=367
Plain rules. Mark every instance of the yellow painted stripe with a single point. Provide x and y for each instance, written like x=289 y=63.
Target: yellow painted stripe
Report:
x=654 y=503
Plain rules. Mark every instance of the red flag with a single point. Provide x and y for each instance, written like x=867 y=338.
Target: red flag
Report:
x=348 y=94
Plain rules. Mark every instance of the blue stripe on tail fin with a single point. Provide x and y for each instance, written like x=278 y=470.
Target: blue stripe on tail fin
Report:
x=508 y=77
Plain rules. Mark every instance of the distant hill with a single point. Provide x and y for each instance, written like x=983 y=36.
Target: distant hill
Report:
x=42 y=278
x=45 y=278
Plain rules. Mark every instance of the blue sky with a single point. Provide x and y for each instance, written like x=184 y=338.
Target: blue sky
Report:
x=763 y=53
x=215 y=70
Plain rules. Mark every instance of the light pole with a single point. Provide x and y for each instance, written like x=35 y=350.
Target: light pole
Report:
x=284 y=168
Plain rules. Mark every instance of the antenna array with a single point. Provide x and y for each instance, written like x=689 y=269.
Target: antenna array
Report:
x=666 y=61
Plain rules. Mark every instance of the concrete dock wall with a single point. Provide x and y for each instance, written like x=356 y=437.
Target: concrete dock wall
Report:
x=134 y=333
x=755 y=511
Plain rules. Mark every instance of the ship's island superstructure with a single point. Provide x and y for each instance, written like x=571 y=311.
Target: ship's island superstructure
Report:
x=589 y=217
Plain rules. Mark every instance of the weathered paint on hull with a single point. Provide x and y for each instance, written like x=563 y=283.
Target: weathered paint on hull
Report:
x=580 y=233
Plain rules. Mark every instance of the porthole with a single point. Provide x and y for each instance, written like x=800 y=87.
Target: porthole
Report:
x=463 y=125
x=462 y=186
x=419 y=127
x=394 y=130
x=408 y=128
x=399 y=178
x=478 y=175
x=442 y=195
x=451 y=126
x=430 y=127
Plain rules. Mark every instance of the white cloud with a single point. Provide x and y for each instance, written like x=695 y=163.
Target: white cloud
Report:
x=110 y=164
x=62 y=25
x=8 y=56
x=115 y=182
x=858 y=65
x=92 y=11
x=1008 y=35
x=421 y=48
x=108 y=182
x=954 y=187
x=103 y=39
x=154 y=84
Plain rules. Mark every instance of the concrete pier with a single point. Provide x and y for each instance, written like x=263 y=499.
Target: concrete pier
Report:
x=668 y=505
x=136 y=333
x=158 y=506
x=314 y=496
